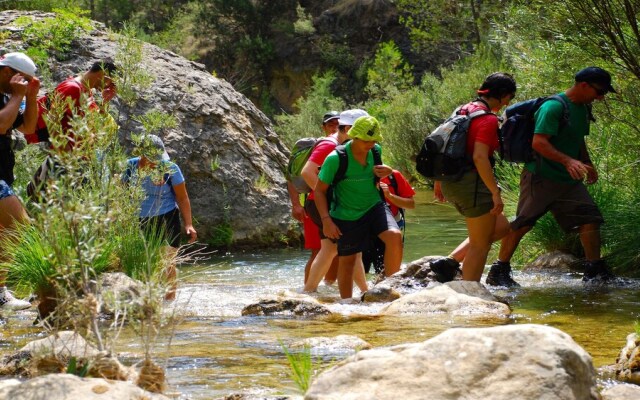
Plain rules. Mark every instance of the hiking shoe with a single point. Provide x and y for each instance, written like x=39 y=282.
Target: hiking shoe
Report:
x=9 y=302
x=445 y=269
x=596 y=272
x=500 y=275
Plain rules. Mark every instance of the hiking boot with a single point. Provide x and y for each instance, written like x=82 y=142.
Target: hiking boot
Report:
x=445 y=269
x=500 y=275
x=596 y=272
x=9 y=302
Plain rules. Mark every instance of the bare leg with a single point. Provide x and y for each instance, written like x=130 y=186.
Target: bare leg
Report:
x=480 y=233
x=307 y=267
x=502 y=229
x=590 y=239
x=392 y=239
x=345 y=275
x=510 y=243
x=332 y=275
x=170 y=272
x=359 y=277
x=322 y=262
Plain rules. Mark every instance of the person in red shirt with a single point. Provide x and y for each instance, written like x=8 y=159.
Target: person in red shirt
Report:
x=310 y=229
x=477 y=195
x=99 y=77
x=398 y=194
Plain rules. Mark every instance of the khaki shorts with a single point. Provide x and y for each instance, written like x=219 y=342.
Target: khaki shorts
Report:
x=469 y=195
x=570 y=203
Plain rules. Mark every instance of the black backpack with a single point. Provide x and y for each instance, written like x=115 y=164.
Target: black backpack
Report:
x=443 y=155
x=516 y=133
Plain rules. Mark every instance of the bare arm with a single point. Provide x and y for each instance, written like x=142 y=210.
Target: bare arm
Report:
x=576 y=169
x=184 y=205
x=483 y=166
x=297 y=211
x=398 y=201
x=310 y=173
x=30 y=116
x=9 y=113
x=329 y=228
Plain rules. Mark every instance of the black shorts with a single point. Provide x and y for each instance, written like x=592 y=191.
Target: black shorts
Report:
x=356 y=235
x=570 y=203
x=167 y=224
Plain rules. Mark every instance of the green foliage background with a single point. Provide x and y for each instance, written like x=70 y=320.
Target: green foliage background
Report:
x=542 y=43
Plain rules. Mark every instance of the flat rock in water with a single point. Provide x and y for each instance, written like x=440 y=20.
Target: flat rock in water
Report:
x=67 y=386
x=555 y=261
x=622 y=392
x=455 y=298
x=499 y=363
x=298 y=305
x=380 y=294
x=63 y=344
x=413 y=276
x=333 y=345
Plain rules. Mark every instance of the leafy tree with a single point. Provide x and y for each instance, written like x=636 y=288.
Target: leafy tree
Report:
x=389 y=73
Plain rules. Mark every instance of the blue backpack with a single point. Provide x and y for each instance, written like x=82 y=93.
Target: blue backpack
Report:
x=516 y=133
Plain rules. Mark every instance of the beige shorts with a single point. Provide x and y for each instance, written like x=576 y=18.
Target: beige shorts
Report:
x=469 y=195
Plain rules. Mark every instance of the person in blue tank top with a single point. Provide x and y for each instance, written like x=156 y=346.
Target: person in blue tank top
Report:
x=166 y=198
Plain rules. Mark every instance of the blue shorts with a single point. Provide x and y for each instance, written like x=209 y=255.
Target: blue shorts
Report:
x=356 y=235
x=5 y=190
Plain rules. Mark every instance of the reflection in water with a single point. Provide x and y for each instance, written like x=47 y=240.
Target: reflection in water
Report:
x=216 y=351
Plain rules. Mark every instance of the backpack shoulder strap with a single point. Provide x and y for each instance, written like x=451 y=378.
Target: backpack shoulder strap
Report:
x=343 y=163
x=564 y=121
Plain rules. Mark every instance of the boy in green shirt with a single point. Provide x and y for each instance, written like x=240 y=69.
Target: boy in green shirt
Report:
x=358 y=210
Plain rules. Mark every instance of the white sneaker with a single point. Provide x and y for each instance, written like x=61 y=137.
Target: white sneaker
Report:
x=9 y=302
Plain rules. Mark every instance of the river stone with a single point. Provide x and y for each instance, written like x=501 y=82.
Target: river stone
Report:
x=556 y=261
x=331 y=345
x=413 y=276
x=628 y=362
x=65 y=344
x=227 y=149
x=305 y=307
x=380 y=294
x=67 y=386
x=498 y=363
x=118 y=289
x=621 y=392
x=454 y=298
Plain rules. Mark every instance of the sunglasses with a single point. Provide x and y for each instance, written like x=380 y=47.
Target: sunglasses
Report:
x=599 y=91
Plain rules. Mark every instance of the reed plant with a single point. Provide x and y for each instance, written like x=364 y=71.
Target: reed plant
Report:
x=301 y=367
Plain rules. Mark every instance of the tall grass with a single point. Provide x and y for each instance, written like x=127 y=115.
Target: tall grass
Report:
x=301 y=367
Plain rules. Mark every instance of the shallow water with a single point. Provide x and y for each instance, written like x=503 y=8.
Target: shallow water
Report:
x=215 y=351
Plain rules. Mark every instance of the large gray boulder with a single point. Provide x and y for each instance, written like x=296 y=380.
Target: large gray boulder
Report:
x=67 y=386
x=216 y=126
x=621 y=392
x=499 y=363
x=456 y=298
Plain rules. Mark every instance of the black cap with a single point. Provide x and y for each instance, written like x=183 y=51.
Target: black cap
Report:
x=596 y=75
x=329 y=116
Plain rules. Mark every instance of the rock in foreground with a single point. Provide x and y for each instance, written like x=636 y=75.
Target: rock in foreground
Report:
x=498 y=363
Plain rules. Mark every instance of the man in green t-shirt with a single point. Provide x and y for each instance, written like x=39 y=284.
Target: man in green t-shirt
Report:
x=554 y=182
x=358 y=211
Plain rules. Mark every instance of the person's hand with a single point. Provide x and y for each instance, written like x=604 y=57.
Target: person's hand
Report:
x=191 y=232
x=385 y=189
x=297 y=212
x=382 y=171
x=498 y=205
x=577 y=169
x=109 y=93
x=592 y=175
x=437 y=192
x=18 y=85
x=33 y=87
x=330 y=229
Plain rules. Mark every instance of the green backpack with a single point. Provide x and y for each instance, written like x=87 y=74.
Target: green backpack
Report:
x=299 y=155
